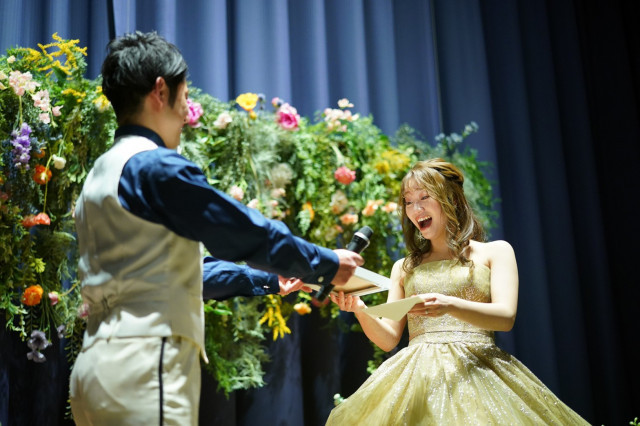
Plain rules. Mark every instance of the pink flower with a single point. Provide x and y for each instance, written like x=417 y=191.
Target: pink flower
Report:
x=83 y=310
x=194 y=114
x=54 y=298
x=56 y=110
x=344 y=175
x=288 y=117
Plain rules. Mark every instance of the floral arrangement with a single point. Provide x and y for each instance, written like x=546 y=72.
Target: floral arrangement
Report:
x=53 y=124
x=325 y=178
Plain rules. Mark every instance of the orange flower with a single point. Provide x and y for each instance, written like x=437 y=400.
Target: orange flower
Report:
x=349 y=219
x=390 y=207
x=307 y=206
x=302 y=308
x=40 y=153
x=42 y=174
x=371 y=207
x=33 y=220
x=32 y=295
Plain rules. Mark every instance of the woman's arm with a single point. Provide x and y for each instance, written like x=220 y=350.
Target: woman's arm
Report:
x=500 y=313
x=384 y=332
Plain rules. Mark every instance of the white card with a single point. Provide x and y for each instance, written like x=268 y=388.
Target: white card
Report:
x=393 y=310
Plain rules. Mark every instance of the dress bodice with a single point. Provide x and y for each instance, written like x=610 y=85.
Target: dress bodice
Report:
x=451 y=278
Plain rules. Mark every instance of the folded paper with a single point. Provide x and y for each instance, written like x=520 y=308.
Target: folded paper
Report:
x=393 y=310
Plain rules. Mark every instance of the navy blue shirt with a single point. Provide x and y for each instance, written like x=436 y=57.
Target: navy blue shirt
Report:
x=163 y=187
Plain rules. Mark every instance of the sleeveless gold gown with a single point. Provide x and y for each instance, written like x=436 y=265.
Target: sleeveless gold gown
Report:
x=452 y=373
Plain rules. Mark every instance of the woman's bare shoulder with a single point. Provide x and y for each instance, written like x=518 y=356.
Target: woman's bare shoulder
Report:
x=485 y=252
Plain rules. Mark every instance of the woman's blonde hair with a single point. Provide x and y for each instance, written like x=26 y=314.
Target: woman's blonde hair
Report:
x=444 y=183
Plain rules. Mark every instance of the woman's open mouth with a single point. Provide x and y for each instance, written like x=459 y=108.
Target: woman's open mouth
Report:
x=424 y=222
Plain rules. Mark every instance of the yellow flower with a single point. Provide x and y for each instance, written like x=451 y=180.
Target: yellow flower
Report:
x=308 y=207
x=247 y=101
x=78 y=95
x=102 y=103
x=382 y=167
x=274 y=319
x=396 y=160
x=46 y=60
x=302 y=308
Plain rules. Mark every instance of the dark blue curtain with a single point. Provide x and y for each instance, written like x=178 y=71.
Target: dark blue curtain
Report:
x=555 y=89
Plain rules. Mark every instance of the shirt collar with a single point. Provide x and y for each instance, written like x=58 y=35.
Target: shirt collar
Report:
x=132 y=129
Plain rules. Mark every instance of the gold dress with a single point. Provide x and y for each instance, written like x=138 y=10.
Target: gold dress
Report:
x=452 y=373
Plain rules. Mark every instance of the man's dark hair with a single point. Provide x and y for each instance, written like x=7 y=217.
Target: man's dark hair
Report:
x=133 y=63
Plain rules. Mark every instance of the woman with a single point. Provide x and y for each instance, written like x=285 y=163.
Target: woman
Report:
x=451 y=372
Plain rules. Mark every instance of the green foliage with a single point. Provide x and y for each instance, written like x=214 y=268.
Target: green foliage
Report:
x=234 y=343
x=71 y=125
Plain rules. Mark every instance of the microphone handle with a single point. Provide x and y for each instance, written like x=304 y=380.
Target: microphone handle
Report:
x=324 y=291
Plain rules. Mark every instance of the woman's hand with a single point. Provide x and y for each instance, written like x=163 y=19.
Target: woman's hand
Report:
x=432 y=305
x=348 y=303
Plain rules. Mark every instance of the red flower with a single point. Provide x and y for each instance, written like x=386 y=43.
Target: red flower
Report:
x=32 y=295
x=42 y=174
x=344 y=175
x=33 y=220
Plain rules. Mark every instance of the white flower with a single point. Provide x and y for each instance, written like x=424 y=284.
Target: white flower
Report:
x=236 y=192
x=223 y=120
x=344 y=103
x=11 y=59
x=277 y=192
x=44 y=117
x=58 y=162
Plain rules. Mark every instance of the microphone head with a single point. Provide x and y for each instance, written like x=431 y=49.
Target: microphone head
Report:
x=360 y=239
x=365 y=232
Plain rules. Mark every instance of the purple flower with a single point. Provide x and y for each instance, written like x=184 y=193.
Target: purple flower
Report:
x=36 y=356
x=36 y=343
x=21 y=147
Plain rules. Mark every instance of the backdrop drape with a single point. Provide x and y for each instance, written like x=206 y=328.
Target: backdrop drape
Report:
x=555 y=89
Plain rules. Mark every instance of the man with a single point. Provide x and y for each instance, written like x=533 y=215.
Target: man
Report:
x=140 y=218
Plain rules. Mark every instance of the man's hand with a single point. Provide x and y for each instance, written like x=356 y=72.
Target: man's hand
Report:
x=289 y=285
x=349 y=261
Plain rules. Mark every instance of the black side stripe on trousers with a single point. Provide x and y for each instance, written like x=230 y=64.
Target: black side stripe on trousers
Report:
x=164 y=340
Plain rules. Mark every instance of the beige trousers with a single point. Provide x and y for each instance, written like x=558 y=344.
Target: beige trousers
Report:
x=137 y=381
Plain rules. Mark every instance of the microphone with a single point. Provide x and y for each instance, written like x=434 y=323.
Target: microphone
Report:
x=359 y=242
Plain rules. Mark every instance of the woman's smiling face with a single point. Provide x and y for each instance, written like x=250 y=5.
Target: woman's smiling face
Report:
x=424 y=212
